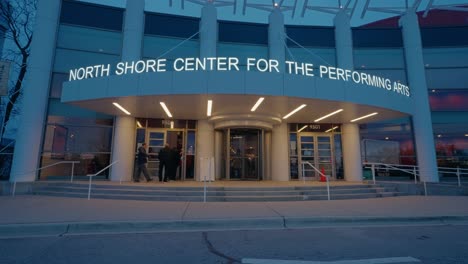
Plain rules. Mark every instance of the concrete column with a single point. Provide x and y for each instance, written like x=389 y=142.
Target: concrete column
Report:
x=279 y=153
x=204 y=150
x=123 y=147
x=276 y=37
x=422 y=123
x=218 y=156
x=208 y=31
x=351 y=152
x=267 y=157
x=343 y=41
x=350 y=132
x=35 y=93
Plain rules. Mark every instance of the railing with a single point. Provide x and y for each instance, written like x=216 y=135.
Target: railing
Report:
x=207 y=173
x=315 y=169
x=97 y=173
x=410 y=169
x=48 y=166
x=457 y=171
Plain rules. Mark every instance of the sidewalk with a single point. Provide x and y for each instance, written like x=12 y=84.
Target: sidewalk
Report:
x=41 y=215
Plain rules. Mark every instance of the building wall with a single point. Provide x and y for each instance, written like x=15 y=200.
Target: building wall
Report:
x=97 y=38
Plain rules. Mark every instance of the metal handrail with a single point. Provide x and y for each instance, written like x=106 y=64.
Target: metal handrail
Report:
x=457 y=171
x=313 y=167
x=48 y=166
x=92 y=175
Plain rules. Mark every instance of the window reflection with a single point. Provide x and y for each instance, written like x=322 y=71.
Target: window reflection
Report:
x=448 y=99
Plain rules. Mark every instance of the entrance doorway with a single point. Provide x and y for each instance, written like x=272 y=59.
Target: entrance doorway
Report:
x=157 y=138
x=318 y=150
x=244 y=154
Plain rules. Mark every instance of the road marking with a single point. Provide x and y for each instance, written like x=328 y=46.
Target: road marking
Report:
x=357 y=261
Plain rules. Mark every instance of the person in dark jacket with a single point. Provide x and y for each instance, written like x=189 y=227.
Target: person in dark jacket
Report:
x=172 y=163
x=142 y=160
x=163 y=157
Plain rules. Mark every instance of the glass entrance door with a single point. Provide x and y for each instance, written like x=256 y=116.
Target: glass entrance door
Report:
x=318 y=150
x=156 y=140
x=244 y=154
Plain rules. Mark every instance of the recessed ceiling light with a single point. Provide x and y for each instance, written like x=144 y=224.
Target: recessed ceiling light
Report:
x=302 y=128
x=121 y=108
x=294 y=111
x=257 y=104
x=323 y=117
x=331 y=129
x=362 y=117
x=163 y=105
x=209 y=107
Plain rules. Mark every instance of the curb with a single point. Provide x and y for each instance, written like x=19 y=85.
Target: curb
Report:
x=86 y=228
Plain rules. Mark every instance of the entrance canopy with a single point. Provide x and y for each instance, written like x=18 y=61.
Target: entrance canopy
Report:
x=234 y=94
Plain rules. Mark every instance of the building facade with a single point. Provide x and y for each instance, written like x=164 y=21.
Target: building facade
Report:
x=239 y=101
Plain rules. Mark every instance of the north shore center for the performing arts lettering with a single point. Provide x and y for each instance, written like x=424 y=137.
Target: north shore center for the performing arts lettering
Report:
x=234 y=64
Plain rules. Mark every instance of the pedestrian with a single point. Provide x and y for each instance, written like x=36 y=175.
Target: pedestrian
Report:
x=142 y=160
x=163 y=157
x=172 y=163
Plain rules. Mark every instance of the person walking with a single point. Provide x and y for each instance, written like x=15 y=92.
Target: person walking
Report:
x=142 y=160
x=172 y=163
x=163 y=157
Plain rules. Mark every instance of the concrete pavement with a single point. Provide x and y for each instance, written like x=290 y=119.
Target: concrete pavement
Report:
x=42 y=216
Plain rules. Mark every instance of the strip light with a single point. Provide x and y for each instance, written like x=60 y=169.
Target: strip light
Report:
x=139 y=124
x=362 y=117
x=302 y=128
x=331 y=129
x=121 y=108
x=209 y=107
x=323 y=117
x=257 y=104
x=294 y=111
x=165 y=109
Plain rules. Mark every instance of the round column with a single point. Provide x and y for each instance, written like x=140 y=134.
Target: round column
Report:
x=422 y=122
x=205 y=151
x=276 y=37
x=208 y=31
x=279 y=153
x=123 y=147
x=35 y=93
x=350 y=132
x=351 y=152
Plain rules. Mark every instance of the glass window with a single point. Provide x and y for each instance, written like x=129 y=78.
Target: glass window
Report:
x=311 y=36
x=171 y=26
x=89 y=39
x=89 y=15
x=390 y=142
x=61 y=139
x=364 y=37
x=89 y=163
x=243 y=32
x=444 y=36
x=448 y=99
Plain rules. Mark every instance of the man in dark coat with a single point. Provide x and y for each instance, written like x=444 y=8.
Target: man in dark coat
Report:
x=142 y=160
x=172 y=163
x=163 y=157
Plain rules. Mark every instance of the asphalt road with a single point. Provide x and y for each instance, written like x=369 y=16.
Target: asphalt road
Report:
x=344 y=245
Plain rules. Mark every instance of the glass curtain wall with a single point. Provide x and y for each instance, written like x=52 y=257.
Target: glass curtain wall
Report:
x=71 y=133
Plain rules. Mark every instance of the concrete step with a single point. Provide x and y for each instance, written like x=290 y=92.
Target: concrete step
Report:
x=178 y=193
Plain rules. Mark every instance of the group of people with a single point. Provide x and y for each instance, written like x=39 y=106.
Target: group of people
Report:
x=169 y=159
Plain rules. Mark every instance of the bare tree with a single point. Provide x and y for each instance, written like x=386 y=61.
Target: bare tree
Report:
x=18 y=16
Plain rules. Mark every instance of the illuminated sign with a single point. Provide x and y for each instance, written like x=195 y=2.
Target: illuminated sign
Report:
x=233 y=64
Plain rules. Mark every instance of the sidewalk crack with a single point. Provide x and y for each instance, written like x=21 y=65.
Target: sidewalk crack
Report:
x=213 y=250
x=185 y=211
x=276 y=212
